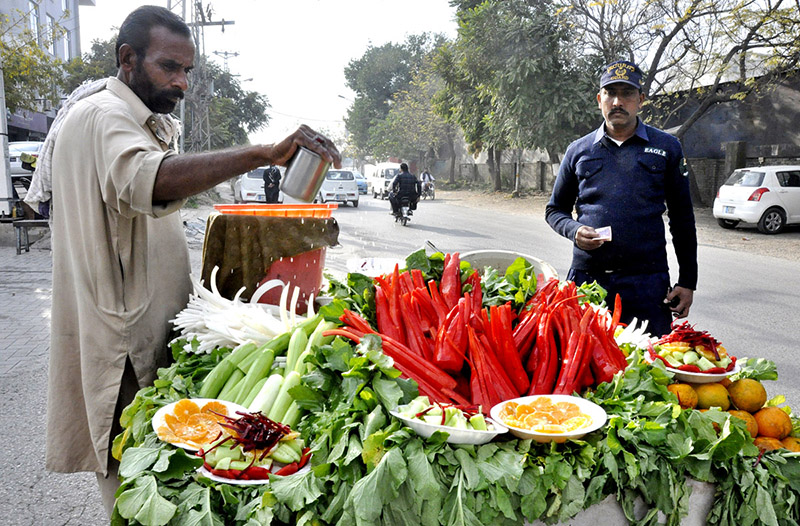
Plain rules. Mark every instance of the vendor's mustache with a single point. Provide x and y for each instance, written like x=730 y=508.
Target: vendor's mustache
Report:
x=619 y=110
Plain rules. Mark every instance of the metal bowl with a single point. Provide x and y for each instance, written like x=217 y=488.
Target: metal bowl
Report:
x=304 y=175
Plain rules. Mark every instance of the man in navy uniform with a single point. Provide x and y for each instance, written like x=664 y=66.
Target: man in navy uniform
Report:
x=619 y=180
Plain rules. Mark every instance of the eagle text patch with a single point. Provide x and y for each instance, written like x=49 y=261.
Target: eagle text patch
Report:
x=656 y=151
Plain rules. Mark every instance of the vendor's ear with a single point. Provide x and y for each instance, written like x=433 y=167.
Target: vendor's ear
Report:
x=127 y=58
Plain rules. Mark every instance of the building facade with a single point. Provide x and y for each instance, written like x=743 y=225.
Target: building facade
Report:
x=41 y=17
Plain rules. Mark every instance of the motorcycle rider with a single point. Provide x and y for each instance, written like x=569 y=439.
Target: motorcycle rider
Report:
x=427 y=180
x=404 y=185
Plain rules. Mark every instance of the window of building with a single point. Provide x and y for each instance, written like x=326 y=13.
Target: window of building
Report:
x=33 y=17
x=51 y=35
x=65 y=41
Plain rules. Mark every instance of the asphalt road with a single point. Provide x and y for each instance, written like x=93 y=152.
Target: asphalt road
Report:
x=746 y=300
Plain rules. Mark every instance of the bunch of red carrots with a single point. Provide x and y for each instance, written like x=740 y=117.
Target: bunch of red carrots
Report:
x=440 y=335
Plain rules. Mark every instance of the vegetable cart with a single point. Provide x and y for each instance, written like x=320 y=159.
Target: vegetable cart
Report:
x=461 y=337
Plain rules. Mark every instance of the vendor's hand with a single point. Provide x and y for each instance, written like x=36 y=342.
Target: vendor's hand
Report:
x=686 y=296
x=304 y=136
x=586 y=238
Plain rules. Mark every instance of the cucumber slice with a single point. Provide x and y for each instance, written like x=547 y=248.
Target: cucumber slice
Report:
x=478 y=422
x=672 y=361
x=704 y=364
x=224 y=463
x=690 y=357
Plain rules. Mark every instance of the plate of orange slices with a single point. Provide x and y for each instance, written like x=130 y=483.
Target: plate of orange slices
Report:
x=193 y=423
x=549 y=418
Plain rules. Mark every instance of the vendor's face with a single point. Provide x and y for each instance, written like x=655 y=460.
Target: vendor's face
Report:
x=620 y=103
x=161 y=76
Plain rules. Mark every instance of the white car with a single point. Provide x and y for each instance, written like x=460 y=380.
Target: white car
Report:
x=249 y=187
x=17 y=148
x=768 y=196
x=339 y=185
x=380 y=176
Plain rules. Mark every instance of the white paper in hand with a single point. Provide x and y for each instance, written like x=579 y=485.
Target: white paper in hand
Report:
x=604 y=233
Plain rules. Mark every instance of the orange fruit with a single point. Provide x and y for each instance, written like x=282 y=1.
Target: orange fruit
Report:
x=216 y=406
x=712 y=395
x=687 y=396
x=725 y=382
x=767 y=443
x=773 y=422
x=184 y=409
x=749 y=420
x=791 y=443
x=748 y=394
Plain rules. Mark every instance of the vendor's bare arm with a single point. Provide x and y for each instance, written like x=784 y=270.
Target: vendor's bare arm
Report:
x=181 y=176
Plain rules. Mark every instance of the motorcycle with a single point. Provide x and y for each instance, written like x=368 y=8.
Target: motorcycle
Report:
x=428 y=190
x=405 y=211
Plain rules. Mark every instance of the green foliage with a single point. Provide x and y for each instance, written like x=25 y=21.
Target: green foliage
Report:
x=513 y=77
x=100 y=62
x=378 y=77
x=30 y=74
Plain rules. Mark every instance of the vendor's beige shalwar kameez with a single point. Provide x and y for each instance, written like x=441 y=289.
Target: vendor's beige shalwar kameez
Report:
x=120 y=270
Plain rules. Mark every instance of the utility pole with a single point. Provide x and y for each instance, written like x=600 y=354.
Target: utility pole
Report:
x=225 y=56
x=203 y=86
x=6 y=184
x=179 y=6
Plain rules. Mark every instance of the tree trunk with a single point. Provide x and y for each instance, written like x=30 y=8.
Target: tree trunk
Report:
x=493 y=161
x=452 y=145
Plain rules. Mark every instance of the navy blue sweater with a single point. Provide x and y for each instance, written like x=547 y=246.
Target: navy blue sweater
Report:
x=627 y=187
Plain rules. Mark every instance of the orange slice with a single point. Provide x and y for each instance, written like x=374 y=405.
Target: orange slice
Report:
x=184 y=409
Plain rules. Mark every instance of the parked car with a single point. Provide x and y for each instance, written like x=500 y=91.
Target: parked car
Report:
x=361 y=181
x=768 y=196
x=17 y=148
x=249 y=187
x=339 y=185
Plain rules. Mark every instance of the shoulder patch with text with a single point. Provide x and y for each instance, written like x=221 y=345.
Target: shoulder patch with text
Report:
x=656 y=151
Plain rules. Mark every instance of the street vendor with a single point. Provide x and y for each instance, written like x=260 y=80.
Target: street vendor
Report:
x=620 y=179
x=120 y=258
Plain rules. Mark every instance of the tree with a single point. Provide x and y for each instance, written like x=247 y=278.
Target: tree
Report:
x=31 y=75
x=513 y=79
x=412 y=129
x=100 y=62
x=693 y=47
x=376 y=77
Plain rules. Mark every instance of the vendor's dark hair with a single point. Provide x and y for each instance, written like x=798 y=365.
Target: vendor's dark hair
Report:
x=404 y=167
x=135 y=30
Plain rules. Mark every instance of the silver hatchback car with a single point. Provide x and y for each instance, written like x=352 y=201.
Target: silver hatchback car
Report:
x=768 y=196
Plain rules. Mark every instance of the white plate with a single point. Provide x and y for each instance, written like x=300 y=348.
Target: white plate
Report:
x=158 y=418
x=457 y=436
x=594 y=411
x=695 y=378
x=206 y=473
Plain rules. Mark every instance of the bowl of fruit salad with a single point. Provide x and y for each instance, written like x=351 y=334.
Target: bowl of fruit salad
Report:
x=693 y=356
x=464 y=425
x=550 y=418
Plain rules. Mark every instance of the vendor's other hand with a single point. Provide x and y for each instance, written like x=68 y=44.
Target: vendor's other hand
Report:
x=586 y=238
x=307 y=137
x=685 y=296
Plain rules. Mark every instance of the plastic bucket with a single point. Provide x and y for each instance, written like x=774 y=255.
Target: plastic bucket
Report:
x=303 y=271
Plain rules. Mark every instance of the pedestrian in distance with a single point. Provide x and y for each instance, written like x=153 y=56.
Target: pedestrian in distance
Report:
x=120 y=259
x=404 y=185
x=619 y=180
x=272 y=180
